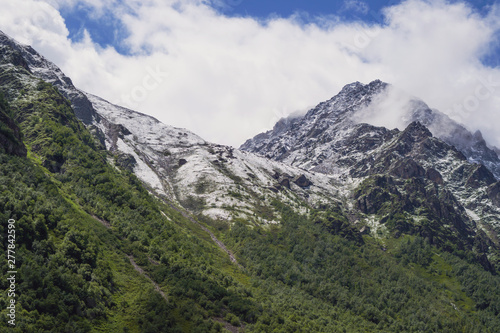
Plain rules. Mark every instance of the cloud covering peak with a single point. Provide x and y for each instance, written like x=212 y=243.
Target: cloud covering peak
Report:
x=228 y=78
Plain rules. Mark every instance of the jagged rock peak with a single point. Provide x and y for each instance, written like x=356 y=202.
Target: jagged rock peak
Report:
x=339 y=109
x=417 y=130
x=17 y=54
x=353 y=94
x=374 y=86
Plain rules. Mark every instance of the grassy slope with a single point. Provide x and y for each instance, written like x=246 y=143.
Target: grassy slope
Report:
x=64 y=180
x=312 y=274
x=317 y=280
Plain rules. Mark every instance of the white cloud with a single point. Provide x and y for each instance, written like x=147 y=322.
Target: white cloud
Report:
x=388 y=109
x=226 y=78
x=32 y=21
x=356 y=6
x=97 y=6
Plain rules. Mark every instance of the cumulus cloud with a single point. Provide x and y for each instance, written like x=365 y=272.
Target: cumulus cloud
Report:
x=228 y=78
x=32 y=21
x=356 y=6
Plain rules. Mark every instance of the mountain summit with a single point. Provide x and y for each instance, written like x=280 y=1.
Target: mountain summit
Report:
x=175 y=164
x=307 y=140
x=327 y=223
x=459 y=166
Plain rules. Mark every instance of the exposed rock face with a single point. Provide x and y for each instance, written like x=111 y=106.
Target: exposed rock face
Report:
x=421 y=172
x=480 y=176
x=385 y=196
x=126 y=161
x=13 y=53
x=407 y=168
x=285 y=182
x=372 y=195
x=434 y=175
x=302 y=181
x=10 y=136
x=494 y=193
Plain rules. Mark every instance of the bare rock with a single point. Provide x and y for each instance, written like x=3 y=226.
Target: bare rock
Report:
x=302 y=181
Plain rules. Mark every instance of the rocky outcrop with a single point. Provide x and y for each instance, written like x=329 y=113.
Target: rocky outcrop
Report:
x=285 y=182
x=480 y=176
x=126 y=161
x=395 y=202
x=302 y=181
x=434 y=176
x=10 y=135
x=374 y=192
x=415 y=132
x=407 y=168
x=494 y=193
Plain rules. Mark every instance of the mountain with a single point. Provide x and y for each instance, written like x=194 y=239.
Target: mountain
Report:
x=454 y=188
x=472 y=145
x=207 y=178
x=26 y=57
x=349 y=107
x=214 y=180
x=125 y=224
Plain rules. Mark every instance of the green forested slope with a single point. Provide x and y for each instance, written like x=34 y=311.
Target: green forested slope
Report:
x=79 y=220
x=71 y=268
x=319 y=280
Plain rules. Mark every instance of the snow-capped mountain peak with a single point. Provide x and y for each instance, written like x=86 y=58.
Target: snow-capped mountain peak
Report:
x=12 y=52
x=333 y=155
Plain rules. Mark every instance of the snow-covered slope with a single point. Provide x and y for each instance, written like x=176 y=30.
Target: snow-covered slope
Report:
x=218 y=181
x=206 y=178
x=311 y=141
x=14 y=53
x=330 y=139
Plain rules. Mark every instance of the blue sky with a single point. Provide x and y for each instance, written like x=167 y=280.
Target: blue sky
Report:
x=108 y=31
x=355 y=10
x=349 y=9
x=229 y=69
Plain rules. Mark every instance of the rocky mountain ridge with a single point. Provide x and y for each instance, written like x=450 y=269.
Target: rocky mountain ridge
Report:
x=210 y=179
x=125 y=224
x=329 y=140
x=324 y=158
x=16 y=54
x=329 y=119
x=218 y=181
x=472 y=145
